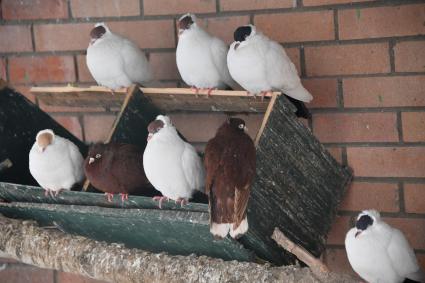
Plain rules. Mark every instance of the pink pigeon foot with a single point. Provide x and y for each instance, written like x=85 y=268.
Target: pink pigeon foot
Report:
x=210 y=90
x=160 y=199
x=109 y=196
x=195 y=89
x=182 y=201
x=123 y=197
x=264 y=93
x=57 y=192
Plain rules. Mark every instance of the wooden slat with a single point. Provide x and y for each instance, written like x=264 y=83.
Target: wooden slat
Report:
x=166 y=99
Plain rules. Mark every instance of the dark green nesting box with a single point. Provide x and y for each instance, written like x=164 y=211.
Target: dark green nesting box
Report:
x=297 y=188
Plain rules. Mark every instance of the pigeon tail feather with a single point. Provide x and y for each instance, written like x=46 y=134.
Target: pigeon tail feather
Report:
x=299 y=93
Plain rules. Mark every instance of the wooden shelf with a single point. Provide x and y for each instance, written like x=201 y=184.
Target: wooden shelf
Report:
x=167 y=99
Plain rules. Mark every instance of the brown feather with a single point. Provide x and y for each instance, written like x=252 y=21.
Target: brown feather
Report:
x=118 y=170
x=230 y=167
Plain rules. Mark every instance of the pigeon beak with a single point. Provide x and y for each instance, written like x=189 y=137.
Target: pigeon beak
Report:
x=91 y=160
x=150 y=136
x=237 y=45
x=92 y=41
x=245 y=129
x=181 y=31
x=358 y=233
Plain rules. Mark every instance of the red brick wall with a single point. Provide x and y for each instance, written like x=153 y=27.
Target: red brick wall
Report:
x=363 y=61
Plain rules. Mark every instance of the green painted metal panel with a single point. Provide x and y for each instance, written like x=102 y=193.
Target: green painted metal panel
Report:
x=175 y=232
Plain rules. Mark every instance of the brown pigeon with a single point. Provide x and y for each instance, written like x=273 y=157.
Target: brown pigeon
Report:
x=116 y=168
x=230 y=166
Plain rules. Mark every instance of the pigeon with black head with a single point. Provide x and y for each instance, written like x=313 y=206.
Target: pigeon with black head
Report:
x=116 y=168
x=172 y=165
x=378 y=252
x=260 y=65
x=201 y=57
x=230 y=165
x=114 y=61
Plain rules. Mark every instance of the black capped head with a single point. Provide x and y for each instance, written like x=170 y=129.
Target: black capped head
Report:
x=97 y=32
x=241 y=33
x=364 y=222
x=186 y=21
x=237 y=123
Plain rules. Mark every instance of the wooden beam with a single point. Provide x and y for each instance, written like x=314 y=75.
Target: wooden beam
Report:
x=146 y=91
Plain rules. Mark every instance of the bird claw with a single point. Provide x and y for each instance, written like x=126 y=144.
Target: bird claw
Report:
x=160 y=199
x=123 y=197
x=182 y=201
x=109 y=196
x=193 y=88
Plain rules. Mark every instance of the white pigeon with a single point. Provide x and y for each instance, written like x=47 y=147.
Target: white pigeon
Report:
x=55 y=162
x=201 y=58
x=380 y=253
x=172 y=165
x=115 y=61
x=260 y=65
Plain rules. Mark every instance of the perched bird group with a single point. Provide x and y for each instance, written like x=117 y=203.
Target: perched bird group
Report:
x=168 y=163
x=254 y=62
x=380 y=253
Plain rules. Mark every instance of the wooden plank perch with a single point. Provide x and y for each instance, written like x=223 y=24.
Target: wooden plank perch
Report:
x=46 y=248
x=316 y=266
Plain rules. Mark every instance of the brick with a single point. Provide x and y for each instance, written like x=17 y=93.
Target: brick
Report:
x=62 y=37
x=329 y=2
x=421 y=259
x=355 y=127
x=71 y=123
x=243 y=5
x=363 y=195
x=83 y=72
x=374 y=22
x=347 y=59
x=30 y=9
x=25 y=91
x=387 y=161
x=64 y=277
x=147 y=34
x=413 y=124
x=412 y=228
x=384 y=91
x=97 y=128
x=414 y=198
x=294 y=54
x=305 y=26
x=177 y=7
x=164 y=66
x=26 y=274
x=15 y=38
x=336 y=153
x=202 y=127
x=3 y=69
x=337 y=261
x=340 y=226
x=223 y=27
x=42 y=69
x=410 y=56
x=324 y=92
x=104 y=8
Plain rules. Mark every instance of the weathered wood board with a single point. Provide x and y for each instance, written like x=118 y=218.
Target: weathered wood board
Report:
x=176 y=232
x=20 y=121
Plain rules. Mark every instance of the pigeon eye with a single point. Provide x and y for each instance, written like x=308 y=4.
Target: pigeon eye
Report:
x=241 y=126
x=98 y=156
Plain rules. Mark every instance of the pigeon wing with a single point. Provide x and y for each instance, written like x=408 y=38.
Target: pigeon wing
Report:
x=403 y=258
x=192 y=167
x=218 y=51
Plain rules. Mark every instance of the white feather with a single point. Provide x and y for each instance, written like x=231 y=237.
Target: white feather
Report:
x=381 y=253
x=259 y=64
x=172 y=165
x=116 y=62
x=60 y=166
x=201 y=59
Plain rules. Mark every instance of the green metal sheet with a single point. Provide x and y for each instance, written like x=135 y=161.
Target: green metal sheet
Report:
x=175 y=232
